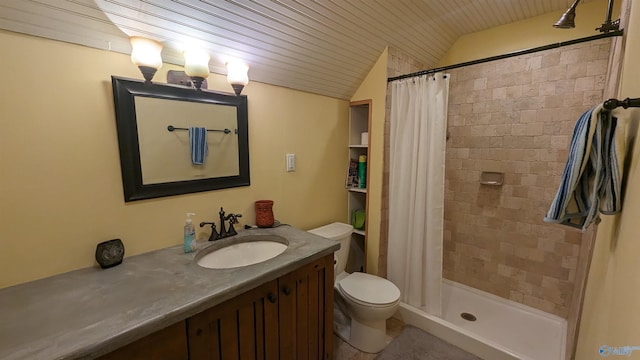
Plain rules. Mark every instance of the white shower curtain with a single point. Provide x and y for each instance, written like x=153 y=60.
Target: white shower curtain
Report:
x=416 y=189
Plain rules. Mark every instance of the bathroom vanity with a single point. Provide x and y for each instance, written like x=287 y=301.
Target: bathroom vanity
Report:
x=162 y=305
x=284 y=318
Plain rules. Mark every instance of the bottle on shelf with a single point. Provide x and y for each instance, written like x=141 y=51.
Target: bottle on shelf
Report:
x=362 y=171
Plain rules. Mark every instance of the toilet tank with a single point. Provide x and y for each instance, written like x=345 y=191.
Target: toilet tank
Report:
x=341 y=233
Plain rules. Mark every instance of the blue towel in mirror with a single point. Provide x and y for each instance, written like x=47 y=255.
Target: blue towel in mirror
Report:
x=198 y=144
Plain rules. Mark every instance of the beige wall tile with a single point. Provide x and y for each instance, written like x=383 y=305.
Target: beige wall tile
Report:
x=549 y=59
x=584 y=84
x=516 y=116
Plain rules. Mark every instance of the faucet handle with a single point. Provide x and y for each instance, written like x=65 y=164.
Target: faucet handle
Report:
x=233 y=219
x=214 y=233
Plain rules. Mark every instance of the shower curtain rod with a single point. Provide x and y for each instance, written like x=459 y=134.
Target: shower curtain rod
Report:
x=625 y=104
x=512 y=54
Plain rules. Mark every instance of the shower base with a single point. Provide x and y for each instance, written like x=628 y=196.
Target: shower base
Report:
x=502 y=329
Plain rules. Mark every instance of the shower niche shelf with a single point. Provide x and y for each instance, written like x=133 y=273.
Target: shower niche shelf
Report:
x=491 y=178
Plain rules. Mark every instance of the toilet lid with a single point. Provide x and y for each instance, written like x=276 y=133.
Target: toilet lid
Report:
x=369 y=289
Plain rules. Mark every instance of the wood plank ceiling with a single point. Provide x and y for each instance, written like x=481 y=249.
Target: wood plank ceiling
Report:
x=320 y=46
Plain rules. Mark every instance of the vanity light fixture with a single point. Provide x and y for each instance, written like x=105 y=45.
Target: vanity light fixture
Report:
x=145 y=54
x=196 y=66
x=237 y=76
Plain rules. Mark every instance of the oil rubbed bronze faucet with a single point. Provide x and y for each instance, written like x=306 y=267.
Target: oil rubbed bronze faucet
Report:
x=233 y=219
x=215 y=235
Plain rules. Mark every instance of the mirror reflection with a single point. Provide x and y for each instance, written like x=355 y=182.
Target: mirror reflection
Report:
x=165 y=155
x=175 y=140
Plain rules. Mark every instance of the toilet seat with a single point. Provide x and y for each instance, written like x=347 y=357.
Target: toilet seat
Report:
x=369 y=290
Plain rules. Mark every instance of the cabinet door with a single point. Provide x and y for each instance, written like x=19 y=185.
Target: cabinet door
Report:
x=167 y=344
x=306 y=312
x=245 y=327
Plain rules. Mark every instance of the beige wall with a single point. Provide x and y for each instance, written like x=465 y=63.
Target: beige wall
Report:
x=611 y=315
x=537 y=31
x=60 y=182
x=374 y=87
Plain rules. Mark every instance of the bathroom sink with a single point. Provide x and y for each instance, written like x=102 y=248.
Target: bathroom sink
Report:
x=246 y=250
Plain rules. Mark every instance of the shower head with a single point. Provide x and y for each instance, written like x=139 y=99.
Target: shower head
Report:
x=566 y=21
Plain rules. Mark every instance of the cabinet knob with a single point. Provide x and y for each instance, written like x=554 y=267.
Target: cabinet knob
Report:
x=198 y=332
x=272 y=298
x=286 y=290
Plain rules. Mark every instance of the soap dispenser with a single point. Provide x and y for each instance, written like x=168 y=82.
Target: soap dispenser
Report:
x=189 y=235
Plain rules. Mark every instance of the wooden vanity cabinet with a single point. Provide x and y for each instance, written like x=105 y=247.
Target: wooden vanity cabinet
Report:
x=169 y=343
x=290 y=318
x=245 y=327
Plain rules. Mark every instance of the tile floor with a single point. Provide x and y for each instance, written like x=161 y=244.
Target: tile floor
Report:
x=344 y=351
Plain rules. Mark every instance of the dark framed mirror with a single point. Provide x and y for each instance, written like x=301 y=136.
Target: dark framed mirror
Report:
x=160 y=156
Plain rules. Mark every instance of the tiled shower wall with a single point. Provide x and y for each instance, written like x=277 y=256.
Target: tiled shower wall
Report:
x=516 y=116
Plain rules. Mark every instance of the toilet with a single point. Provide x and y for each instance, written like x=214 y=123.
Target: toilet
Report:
x=363 y=302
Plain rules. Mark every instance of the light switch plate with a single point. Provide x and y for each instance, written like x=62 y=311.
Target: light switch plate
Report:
x=291 y=162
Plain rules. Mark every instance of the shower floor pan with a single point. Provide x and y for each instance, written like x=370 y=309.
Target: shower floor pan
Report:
x=502 y=329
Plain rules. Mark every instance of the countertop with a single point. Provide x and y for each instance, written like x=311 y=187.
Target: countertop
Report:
x=89 y=312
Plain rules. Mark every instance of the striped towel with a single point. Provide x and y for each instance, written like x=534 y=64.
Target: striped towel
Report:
x=592 y=178
x=198 y=144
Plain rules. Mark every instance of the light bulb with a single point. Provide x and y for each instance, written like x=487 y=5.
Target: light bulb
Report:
x=196 y=63
x=237 y=76
x=146 y=52
x=237 y=73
